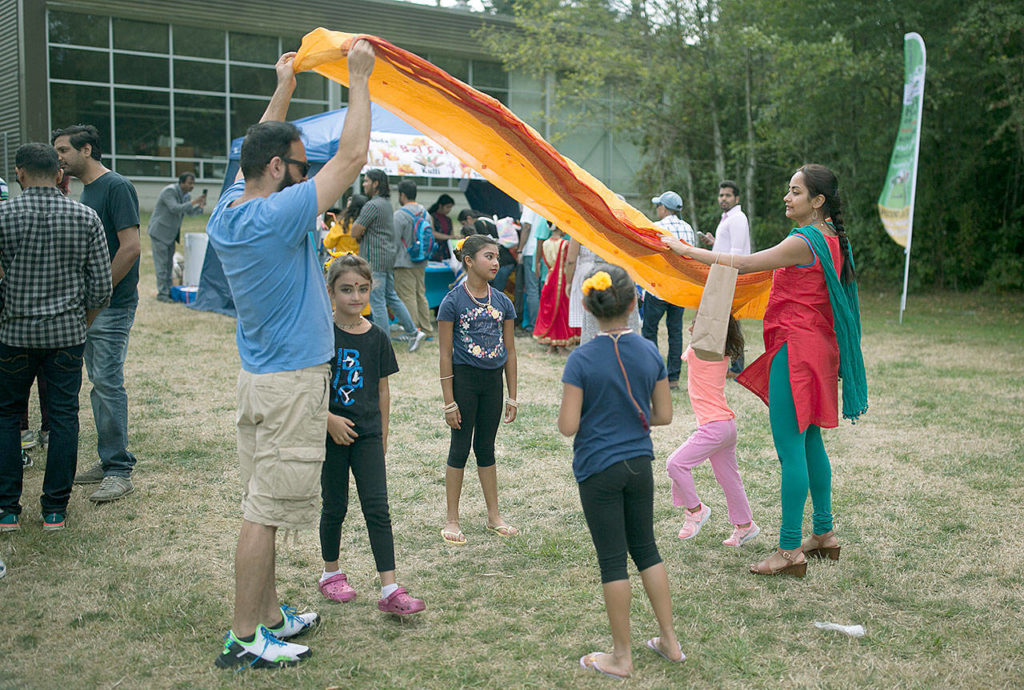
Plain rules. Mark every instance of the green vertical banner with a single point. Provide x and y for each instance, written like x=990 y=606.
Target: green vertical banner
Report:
x=896 y=203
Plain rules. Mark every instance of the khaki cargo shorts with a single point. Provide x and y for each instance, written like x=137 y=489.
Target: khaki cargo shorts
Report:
x=282 y=428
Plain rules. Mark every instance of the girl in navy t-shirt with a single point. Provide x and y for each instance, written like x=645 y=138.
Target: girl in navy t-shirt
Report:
x=615 y=389
x=357 y=436
x=475 y=327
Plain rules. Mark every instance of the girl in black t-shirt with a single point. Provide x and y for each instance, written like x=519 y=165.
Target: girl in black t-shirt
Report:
x=357 y=436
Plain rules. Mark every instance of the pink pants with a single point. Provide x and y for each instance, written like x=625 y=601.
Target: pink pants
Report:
x=715 y=441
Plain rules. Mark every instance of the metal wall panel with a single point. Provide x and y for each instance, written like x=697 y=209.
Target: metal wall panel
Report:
x=419 y=28
x=10 y=81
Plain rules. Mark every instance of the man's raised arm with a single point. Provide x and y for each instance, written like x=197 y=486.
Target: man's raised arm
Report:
x=339 y=172
x=277 y=109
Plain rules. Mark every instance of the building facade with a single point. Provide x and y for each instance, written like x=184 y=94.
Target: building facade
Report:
x=170 y=84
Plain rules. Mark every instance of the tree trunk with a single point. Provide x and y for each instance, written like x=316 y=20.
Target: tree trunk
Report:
x=688 y=181
x=748 y=203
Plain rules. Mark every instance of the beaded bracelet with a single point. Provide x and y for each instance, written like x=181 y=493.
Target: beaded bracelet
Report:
x=511 y=403
x=450 y=407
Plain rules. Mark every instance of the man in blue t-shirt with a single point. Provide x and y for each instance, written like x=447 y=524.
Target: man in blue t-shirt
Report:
x=259 y=230
x=114 y=199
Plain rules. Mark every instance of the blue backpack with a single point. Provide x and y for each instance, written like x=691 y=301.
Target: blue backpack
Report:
x=422 y=236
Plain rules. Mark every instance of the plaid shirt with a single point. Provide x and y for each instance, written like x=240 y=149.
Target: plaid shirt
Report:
x=55 y=262
x=678 y=227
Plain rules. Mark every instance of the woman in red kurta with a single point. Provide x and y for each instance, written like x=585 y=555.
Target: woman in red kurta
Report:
x=797 y=377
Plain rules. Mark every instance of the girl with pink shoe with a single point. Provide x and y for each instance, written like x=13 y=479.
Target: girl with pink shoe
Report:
x=715 y=440
x=357 y=436
x=615 y=389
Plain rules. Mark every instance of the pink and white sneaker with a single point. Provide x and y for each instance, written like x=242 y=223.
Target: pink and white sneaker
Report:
x=692 y=522
x=741 y=535
x=337 y=588
x=400 y=603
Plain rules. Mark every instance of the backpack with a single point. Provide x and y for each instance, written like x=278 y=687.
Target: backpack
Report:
x=422 y=236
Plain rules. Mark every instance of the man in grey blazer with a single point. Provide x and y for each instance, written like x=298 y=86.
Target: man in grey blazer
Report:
x=165 y=227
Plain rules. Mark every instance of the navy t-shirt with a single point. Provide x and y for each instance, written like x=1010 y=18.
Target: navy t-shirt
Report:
x=610 y=428
x=359 y=362
x=114 y=200
x=477 y=331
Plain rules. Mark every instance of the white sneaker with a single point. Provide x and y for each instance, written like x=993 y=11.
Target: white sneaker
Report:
x=416 y=340
x=265 y=651
x=741 y=535
x=294 y=623
x=692 y=522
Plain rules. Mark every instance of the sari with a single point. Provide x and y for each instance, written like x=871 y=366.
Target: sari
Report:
x=552 y=324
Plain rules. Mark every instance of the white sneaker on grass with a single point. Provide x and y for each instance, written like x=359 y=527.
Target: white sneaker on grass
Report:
x=741 y=535
x=294 y=623
x=692 y=522
x=416 y=340
x=265 y=651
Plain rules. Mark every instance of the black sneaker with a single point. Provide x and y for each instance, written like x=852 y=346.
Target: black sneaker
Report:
x=265 y=651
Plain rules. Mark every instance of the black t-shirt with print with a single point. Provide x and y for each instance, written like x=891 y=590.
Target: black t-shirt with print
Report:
x=359 y=363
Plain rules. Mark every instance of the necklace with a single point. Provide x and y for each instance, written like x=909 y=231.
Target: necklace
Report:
x=616 y=331
x=477 y=302
x=349 y=326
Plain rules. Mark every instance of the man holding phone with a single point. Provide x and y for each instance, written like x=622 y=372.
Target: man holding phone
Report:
x=164 y=229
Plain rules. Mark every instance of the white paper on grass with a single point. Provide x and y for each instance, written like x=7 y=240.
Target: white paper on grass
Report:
x=851 y=630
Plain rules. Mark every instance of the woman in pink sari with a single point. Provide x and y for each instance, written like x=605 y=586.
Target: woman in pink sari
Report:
x=552 y=325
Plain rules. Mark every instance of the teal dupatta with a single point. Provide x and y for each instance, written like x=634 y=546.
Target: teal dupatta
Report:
x=846 y=320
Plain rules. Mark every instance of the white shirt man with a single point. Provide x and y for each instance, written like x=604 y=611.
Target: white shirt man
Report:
x=733 y=233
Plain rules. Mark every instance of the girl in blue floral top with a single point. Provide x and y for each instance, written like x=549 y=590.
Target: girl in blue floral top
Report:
x=475 y=326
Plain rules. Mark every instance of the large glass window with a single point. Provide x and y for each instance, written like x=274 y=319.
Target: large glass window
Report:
x=80 y=65
x=249 y=48
x=72 y=104
x=79 y=29
x=143 y=36
x=193 y=75
x=258 y=81
x=142 y=121
x=199 y=125
x=139 y=70
x=196 y=42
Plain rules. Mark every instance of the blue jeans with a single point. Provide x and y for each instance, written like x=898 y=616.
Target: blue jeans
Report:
x=382 y=296
x=654 y=309
x=62 y=370
x=106 y=345
x=531 y=293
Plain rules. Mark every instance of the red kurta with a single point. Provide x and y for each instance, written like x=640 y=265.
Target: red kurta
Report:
x=799 y=314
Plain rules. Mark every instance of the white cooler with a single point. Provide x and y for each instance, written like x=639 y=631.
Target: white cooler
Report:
x=195 y=254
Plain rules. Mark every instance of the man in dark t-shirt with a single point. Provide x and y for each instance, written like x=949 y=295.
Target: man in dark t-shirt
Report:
x=114 y=199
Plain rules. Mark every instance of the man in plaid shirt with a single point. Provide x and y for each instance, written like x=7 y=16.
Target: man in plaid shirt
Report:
x=56 y=278
x=667 y=207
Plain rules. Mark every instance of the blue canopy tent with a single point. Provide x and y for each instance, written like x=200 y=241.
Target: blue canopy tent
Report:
x=320 y=134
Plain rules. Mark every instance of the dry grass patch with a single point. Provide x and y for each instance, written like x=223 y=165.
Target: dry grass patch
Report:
x=927 y=498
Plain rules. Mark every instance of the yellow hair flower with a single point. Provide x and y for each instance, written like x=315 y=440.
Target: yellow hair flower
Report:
x=458 y=245
x=600 y=281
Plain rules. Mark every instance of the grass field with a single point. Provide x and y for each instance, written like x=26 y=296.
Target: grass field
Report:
x=927 y=497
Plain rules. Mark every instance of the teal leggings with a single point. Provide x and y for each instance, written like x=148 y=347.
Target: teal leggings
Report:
x=802 y=456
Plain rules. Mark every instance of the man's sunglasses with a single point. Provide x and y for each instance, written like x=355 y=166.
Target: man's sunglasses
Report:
x=303 y=165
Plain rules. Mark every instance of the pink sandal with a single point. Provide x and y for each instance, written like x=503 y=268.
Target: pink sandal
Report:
x=337 y=588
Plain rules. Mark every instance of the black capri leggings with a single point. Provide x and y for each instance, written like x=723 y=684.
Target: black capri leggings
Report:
x=365 y=457
x=618 y=503
x=479 y=395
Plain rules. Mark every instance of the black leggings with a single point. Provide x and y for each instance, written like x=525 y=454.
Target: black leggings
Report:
x=479 y=395
x=365 y=457
x=618 y=503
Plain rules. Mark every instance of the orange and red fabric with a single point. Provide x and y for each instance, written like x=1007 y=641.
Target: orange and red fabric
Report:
x=489 y=138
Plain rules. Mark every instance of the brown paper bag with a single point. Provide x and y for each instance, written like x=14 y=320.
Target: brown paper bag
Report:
x=711 y=326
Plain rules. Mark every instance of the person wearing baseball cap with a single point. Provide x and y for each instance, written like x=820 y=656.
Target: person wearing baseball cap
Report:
x=667 y=206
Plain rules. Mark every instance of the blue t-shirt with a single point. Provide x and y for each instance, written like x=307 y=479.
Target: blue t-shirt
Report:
x=610 y=428
x=477 y=331
x=284 y=314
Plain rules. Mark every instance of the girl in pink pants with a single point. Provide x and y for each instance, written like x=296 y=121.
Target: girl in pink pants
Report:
x=715 y=440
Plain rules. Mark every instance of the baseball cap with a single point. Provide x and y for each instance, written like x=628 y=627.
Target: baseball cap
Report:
x=670 y=200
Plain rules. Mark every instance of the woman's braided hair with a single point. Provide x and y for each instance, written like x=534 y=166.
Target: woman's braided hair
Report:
x=821 y=180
